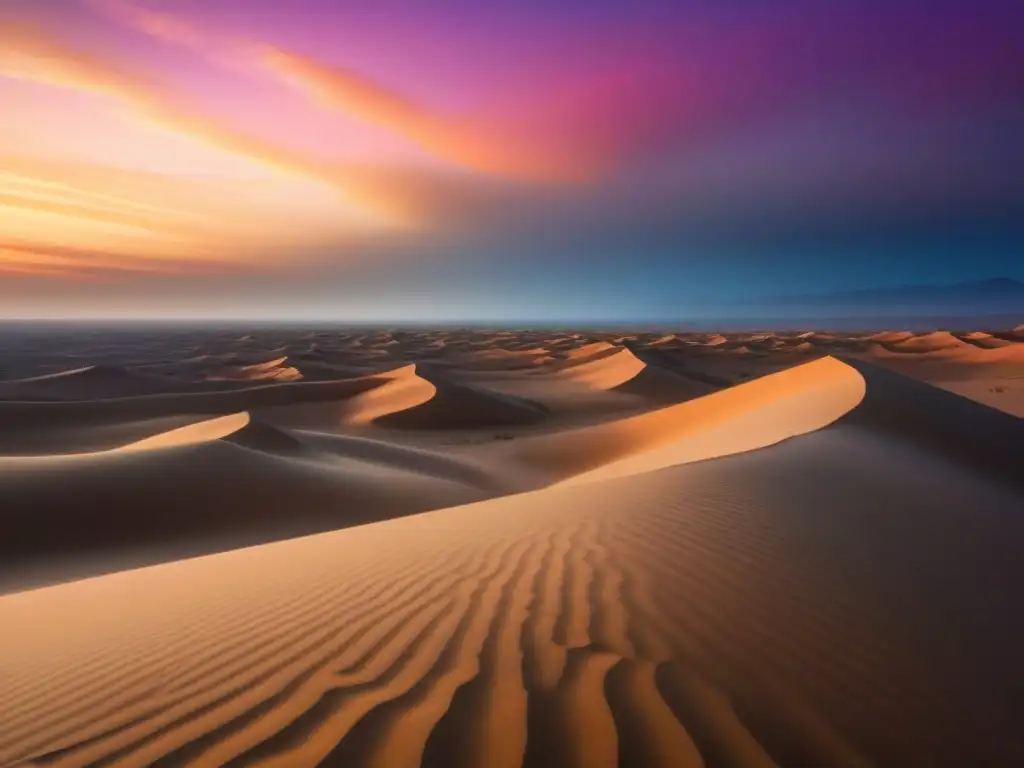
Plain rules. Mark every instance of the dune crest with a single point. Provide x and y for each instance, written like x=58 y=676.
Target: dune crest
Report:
x=403 y=389
x=929 y=342
x=454 y=405
x=600 y=366
x=446 y=552
x=93 y=381
x=201 y=432
x=741 y=418
x=270 y=370
x=610 y=368
x=713 y=611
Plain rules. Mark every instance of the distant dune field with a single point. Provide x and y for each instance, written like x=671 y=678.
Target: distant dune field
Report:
x=513 y=549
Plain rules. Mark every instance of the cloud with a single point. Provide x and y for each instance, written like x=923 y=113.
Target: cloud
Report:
x=163 y=26
x=54 y=261
x=457 y=141
x=259 y=226
x=30 y=54
x=37 y=271
x=89 y=213
x=175 y=30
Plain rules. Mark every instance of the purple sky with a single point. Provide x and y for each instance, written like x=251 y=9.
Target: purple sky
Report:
x=401 y=159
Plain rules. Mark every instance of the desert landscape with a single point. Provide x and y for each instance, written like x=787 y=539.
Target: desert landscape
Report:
x=534 y=384
x=510 y=548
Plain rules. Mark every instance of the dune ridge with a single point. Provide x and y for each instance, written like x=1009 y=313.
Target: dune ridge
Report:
x=613 y=368
x=698 y=614
x=453 y=405
x=432 y=402
x=335 y=481
x=744 y=417
x=269 y=370
x=812 y=561
x=88 y=382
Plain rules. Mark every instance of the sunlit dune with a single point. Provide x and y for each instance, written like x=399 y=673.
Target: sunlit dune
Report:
x=277 y=492
x=747 y=577
x=271 y=370
x=201 y=432
x=744 y=417
x=932 y=342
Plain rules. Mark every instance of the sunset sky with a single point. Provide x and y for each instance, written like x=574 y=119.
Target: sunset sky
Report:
x=428 y=160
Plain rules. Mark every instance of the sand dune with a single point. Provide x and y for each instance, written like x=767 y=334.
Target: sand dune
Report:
x=25 y=414
x=591 y=351
x=91 y=382
x=929 y=342
x=798 y=562
x=660 y=385
x=413 y=397
x=454 y=405
x=1004 y=393
x=740 y=418
x=973 y=435
x=398 y=390
x=742 y=349
x=963 y=352
x=331 y=482
x=791 y=606
x=668 y=339
x=200 y=432
x=207 y=487
x=501 y=359
x=607 y=367
x=804 y=346
x=270 y=370
x=600 y=366
x=992 y=342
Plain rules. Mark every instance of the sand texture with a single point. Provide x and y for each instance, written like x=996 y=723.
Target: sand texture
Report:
x=489 y=549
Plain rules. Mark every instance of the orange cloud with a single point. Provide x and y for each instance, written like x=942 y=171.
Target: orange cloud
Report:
x=86 y=212
x=458 y=142
x=40 y=187
x=455 y=141
x=117 y=211
x=44 y=259
x=36 y=271
x=30 y=54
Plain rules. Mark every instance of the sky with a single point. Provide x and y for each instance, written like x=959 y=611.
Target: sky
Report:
x=537 y=160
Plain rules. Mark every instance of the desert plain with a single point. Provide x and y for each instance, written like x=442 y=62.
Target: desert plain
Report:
x=452 y=547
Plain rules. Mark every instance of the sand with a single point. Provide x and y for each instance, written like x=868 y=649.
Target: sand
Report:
x=809 y=560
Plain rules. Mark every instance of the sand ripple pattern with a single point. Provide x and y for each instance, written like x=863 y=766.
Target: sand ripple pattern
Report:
x=696 y=616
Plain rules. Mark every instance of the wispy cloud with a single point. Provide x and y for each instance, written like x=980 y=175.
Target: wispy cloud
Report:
x=488 y=149
x=20 y=269
x=456 y=141
x=31 y=54
x=164 y=26
x=45 y=260
x=86 y=212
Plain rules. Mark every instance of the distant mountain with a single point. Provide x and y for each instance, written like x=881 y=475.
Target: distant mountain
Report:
x=1000 y=294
